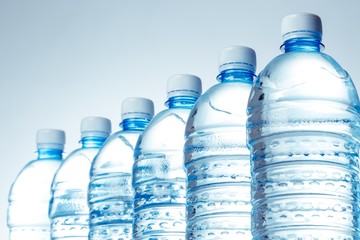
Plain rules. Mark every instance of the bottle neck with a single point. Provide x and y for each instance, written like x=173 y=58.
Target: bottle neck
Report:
x=138 y=124
x=92 y=142
x=302 y=45
x=236 y=75
x=50 y=153
x=181 y=102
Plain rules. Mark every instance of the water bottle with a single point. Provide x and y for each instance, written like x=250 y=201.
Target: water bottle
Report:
x=30 y=192
x=69 y=212
x=110 y=194
x=303 y=135
x=158 y=172
x=217 y=160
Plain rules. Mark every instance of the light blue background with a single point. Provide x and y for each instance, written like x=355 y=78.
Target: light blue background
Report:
x=61 y=60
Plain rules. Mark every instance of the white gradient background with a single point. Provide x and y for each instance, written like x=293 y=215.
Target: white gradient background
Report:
x=61 y=60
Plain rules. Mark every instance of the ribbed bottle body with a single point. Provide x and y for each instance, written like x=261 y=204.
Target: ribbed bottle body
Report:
x=218 y=164
x=69 y=211
x=110 y=194
x=303 y=132
x=159 y=178
x=29 y=200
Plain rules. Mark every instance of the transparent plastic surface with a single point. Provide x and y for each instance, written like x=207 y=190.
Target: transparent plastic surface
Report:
x=29 y=198
x=69 y=211
x=303 y=134
x=159 y=178
x=110 y=192
x=218 y=164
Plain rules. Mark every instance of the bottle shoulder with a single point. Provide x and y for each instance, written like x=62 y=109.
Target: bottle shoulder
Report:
x=165 y=132
x=117 y=142
x=166 y=122
x=123 y=134
x=34 y=180
x=303 y=76
x=116 y=155
x=181 y=113
x=76 y=165
x=297 y=61
x=222 y=105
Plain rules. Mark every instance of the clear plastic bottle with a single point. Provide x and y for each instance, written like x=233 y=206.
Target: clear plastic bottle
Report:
x=30 y=193
x=69 y=211
x=303 y=135
x=217 y=160
x=110 y=194
x=158 y=172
